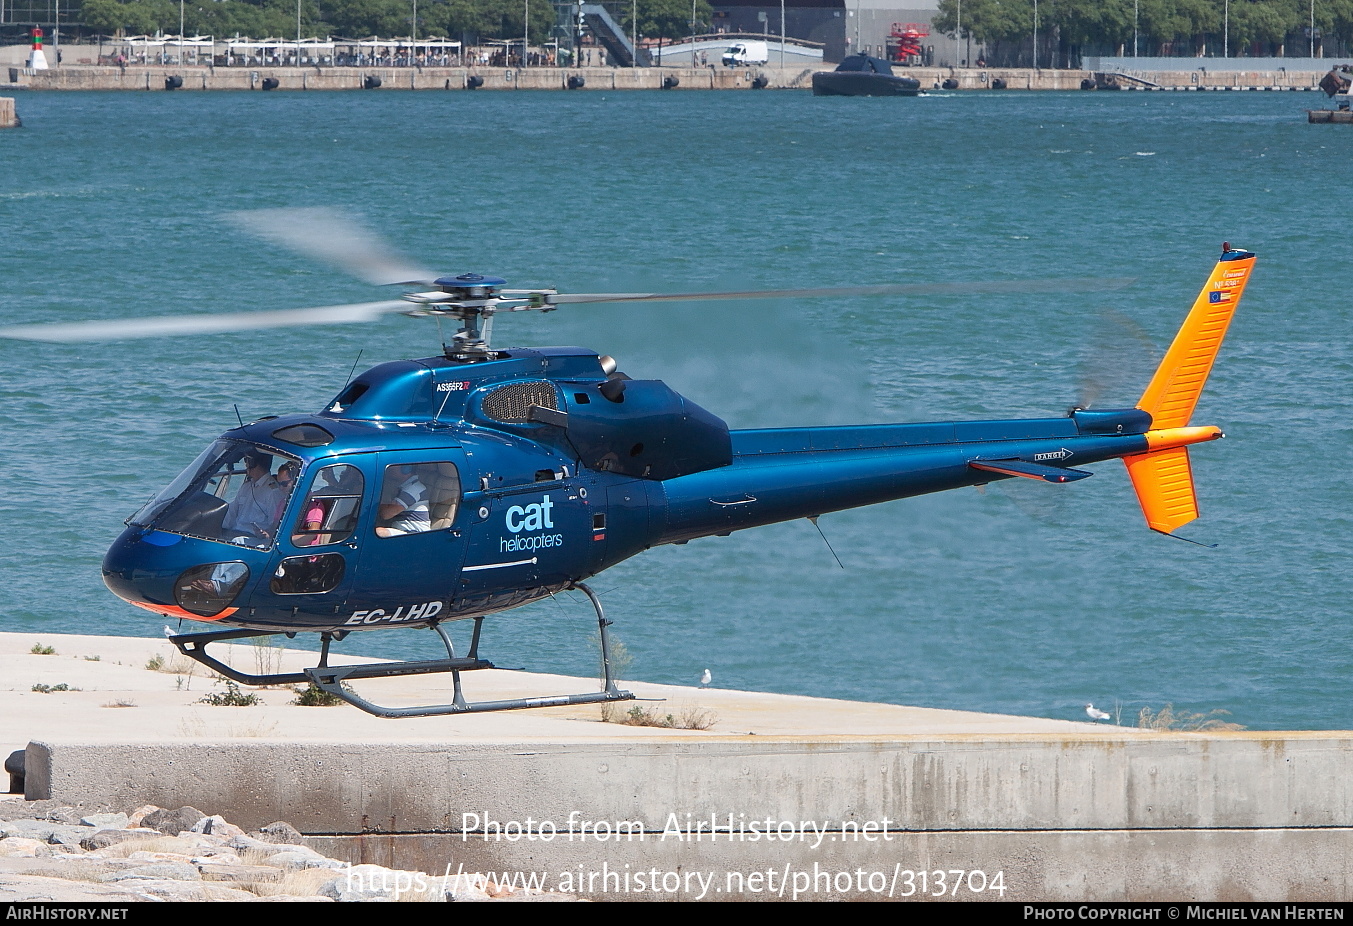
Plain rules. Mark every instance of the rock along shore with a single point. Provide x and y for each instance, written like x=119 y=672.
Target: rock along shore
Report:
x=54 y=852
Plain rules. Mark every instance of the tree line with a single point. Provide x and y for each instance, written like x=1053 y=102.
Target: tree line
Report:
x=1069 y=28
x=467 y=20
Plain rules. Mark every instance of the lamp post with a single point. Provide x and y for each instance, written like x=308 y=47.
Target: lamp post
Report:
x=958 y=35
x=782 y=33
x=1226 y=30
x=692 y=33
x=1035 y=35
x=1134 y=27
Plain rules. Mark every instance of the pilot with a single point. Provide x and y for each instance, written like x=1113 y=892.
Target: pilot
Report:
x=251 y=516
x=407 y=512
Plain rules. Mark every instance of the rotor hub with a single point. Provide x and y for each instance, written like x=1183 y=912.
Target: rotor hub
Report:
x=469 y=285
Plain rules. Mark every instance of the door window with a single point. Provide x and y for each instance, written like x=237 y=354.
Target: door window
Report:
x=418 y=497
x=308 y=575
x=329 y=513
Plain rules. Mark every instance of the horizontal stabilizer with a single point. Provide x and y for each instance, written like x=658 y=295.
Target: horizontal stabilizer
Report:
x=1029 y=470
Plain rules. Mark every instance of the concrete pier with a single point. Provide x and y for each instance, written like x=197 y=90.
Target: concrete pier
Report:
x=9 y=118
x=82 y=77
x=240 y=78
x=803 y=788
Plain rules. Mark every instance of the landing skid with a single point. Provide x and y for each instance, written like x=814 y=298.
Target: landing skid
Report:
x=332 y=679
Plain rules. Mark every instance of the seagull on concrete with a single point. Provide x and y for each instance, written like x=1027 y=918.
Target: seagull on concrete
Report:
x=1095 y=713
x=705 y=679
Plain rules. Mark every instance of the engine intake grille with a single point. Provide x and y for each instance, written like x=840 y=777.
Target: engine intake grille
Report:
x=512 y=403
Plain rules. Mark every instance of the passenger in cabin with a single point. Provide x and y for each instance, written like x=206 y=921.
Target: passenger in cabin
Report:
x=312 y=517
x=333 y=504
x=286 y=481
x=407 y=510
x=312 y=521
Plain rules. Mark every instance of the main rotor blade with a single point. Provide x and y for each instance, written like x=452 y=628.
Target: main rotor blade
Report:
x=118 y=329
x=1118 y=358
x=887 y=289
x=336 y=239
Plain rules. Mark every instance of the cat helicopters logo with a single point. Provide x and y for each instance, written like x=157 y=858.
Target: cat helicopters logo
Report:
x=530 y=519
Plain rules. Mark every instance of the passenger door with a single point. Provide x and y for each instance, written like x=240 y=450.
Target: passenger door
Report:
x=313 y=568
x=411 y=537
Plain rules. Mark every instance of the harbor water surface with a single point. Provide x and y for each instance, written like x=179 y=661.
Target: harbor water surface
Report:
x=1030 y=599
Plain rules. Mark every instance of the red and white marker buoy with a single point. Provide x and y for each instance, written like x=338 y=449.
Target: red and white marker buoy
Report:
x=37 y=61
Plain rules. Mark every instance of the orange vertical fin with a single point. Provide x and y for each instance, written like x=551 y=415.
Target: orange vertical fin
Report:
x=1162 y=476
x=1174 y=390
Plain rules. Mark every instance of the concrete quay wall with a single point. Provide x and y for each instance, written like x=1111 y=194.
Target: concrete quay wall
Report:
x=1048 y=79
x=1026 y=866
x=240 y=78
x=1093 y=816
x=792 y=77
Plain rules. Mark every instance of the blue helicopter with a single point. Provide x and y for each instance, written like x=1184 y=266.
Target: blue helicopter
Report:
x=458 y=486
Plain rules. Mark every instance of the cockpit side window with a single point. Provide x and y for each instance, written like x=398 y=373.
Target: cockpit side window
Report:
x=329 y=513
x=418 y=497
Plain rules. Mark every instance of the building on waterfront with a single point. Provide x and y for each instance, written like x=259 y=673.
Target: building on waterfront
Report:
x=841 y=26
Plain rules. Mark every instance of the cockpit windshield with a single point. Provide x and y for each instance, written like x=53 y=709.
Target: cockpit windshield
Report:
x=234 y=492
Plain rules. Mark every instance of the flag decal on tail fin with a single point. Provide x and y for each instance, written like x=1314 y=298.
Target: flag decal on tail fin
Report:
x=1162 y=477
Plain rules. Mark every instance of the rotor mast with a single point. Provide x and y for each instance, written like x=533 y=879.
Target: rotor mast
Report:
x=474 y=299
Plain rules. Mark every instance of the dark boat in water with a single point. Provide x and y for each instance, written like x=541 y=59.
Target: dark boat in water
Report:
x=864 y=75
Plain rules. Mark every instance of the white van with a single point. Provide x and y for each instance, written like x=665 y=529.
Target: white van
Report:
x=746 y=53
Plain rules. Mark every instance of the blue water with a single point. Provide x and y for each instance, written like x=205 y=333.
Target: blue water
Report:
x=1031 y=599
